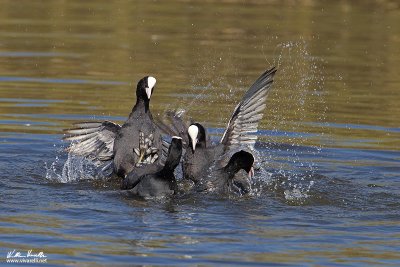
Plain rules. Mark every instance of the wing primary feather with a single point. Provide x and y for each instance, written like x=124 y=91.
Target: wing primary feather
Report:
x=247 y=114
x=94 y=140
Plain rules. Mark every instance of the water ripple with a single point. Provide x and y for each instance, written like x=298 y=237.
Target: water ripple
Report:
x=60 y=80
x=37 y=54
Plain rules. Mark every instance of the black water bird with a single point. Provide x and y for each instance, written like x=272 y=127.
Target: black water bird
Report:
x=154 y=181
x=194 y=164
x=240 y=131
x=221 y=178
x=138 y=141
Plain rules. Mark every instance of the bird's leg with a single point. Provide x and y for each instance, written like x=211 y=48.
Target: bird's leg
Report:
x=141 y=156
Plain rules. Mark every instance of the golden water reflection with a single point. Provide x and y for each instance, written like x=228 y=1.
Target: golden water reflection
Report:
x=337 y=63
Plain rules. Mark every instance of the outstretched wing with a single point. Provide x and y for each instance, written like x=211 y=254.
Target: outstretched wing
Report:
x=94 y=140
x=243 y=123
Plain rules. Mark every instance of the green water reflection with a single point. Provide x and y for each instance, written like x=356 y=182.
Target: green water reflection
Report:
x=338 y=63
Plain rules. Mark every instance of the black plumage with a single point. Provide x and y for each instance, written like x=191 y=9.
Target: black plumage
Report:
x=137 y=141
x=240 y=131
x=153 y=181
x=221 y=179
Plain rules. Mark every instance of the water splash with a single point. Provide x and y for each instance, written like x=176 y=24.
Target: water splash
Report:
x=301 y=81
x=75 y=168
x=298 y=193
x=288 y=153
x=301 y=85
x=297 y=98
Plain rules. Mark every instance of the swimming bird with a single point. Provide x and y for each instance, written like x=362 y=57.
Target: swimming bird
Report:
x=195 y=164
x=240 y=131
x=146 y=182
x=221 y=179
x=138 y=141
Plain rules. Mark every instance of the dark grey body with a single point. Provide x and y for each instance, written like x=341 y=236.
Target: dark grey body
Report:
x=152 y=185
x=196 y=164
x=140 y=120
x=214 y=181
x=155 y=180
x=205 y=167
x=240 y=131
x=133 y=178
x=223 y=182
x=222 y=179
x=138 y=138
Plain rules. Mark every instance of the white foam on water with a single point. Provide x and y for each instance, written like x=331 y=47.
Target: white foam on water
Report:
x=299 y=192
x=76 y=168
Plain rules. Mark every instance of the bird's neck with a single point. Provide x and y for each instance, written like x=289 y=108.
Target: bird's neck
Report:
x=140 y=109
x=167 y=172
x=201 y=144
x=170 y=164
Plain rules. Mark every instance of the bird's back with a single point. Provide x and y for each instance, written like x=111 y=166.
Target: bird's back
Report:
x=127 y=141
x=195 y=165
x=155 y=185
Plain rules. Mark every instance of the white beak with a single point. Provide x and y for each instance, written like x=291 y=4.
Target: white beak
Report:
x=193 y=131
x=151 y=82
x=194 y=144
x=148 y=92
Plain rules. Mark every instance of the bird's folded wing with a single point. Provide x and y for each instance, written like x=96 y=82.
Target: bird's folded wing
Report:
x=94 y=140
x=243 y=123
x=174 y=124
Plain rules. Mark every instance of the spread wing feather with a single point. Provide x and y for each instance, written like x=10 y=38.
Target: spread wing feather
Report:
x=243 y=123
x=93 y=139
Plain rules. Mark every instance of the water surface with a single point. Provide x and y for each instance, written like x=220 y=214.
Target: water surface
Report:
x=327 y=192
